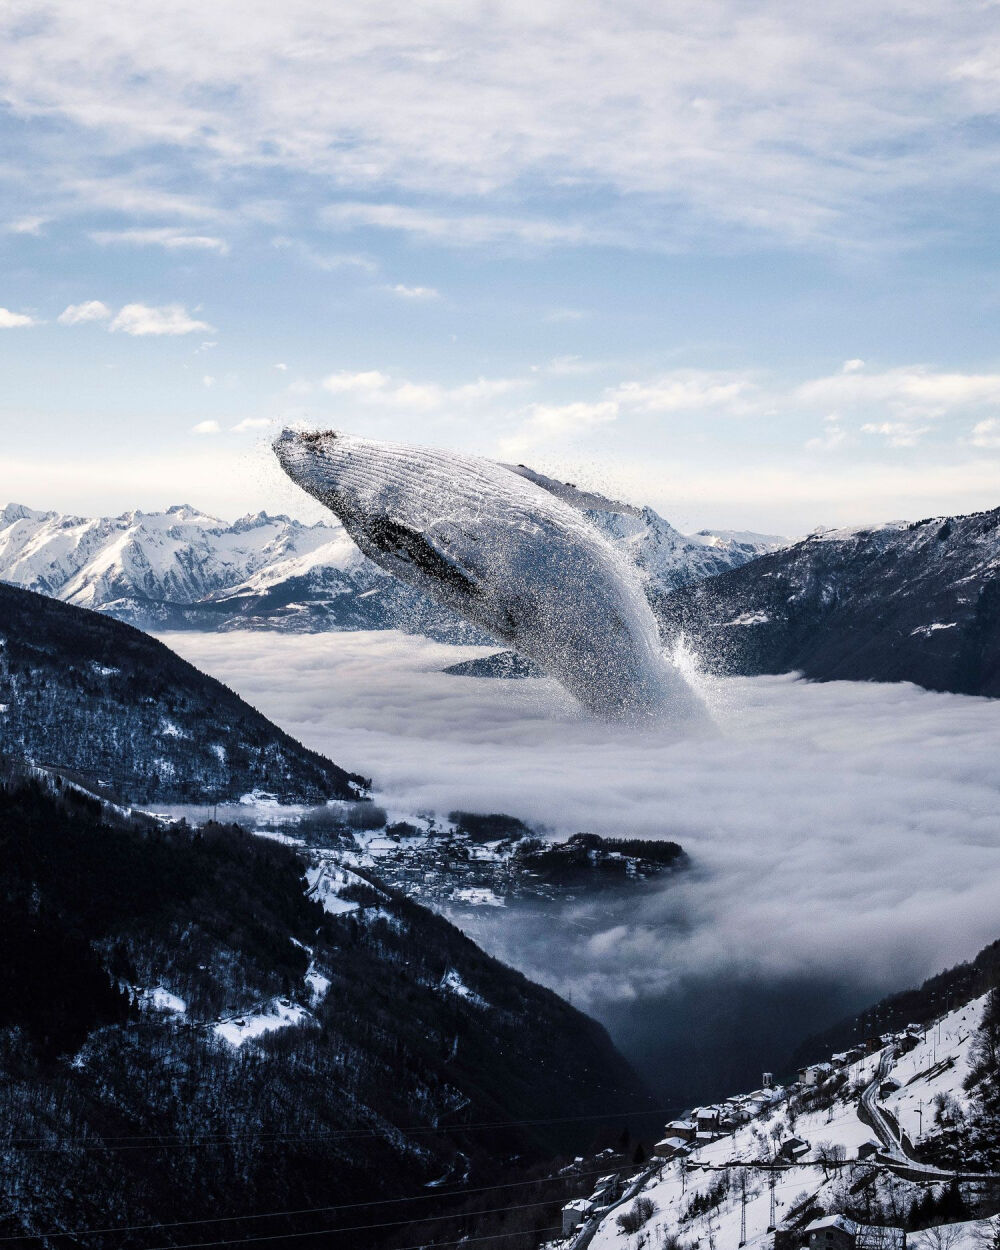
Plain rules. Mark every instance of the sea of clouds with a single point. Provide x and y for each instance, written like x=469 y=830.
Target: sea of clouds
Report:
x=842 y=835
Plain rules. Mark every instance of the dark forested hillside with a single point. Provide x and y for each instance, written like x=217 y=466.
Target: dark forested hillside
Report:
x=938 y=993
x=914 y=603
x=133 y=951
x=86 y=692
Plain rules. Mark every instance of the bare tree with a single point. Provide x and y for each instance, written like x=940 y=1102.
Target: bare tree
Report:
x=941 y=1237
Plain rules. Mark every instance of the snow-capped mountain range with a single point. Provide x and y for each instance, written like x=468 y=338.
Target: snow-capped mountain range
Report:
x=184 y=569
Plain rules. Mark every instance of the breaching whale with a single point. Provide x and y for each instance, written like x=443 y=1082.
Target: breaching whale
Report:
x=502 y=552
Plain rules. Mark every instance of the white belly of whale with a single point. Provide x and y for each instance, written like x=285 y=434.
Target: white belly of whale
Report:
x=503 y=553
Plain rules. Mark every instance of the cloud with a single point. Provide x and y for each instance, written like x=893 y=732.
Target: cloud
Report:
x=414 y=292
x=909 y=389
x=852 y=366
x=170 y=237
x=25 y=225
x=364 y=383
x=833 y=436
x=465 y=229
x=168 y=319
x=12 y=320
x=90 y=310
x=325 y=261
x=570 y=366
x=843 y=830
x=683 y=117
x=566 y=314
x=249 y=424
x=685 y=390
x=282 y=367
x=986 y=433
x=896 y=433
x=206 y=427
x=374 y=387
x=546 y=423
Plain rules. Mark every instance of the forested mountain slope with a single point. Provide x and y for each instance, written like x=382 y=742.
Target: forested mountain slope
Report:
x=85 y=692
x=186 y=1036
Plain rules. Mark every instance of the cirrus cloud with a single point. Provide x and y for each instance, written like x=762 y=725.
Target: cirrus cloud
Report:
x=748 y=118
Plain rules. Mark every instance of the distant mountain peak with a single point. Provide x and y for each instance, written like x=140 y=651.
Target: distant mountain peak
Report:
x=183 y=568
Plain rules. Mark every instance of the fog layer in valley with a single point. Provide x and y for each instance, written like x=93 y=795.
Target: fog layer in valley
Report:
x=844 y=837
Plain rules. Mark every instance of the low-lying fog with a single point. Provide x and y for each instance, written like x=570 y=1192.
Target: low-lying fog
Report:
x=845 y=838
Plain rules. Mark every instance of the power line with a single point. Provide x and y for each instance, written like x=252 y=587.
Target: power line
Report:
x=458 y=1241
x=343 y=1206
x=317 y=1232
x=169 y=1141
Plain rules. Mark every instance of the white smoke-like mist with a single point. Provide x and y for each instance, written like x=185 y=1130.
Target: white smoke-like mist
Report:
x=836 y=830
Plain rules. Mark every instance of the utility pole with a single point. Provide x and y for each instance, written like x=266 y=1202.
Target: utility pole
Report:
x=772 y=1222
x=920 y=1118
x=743 y=1214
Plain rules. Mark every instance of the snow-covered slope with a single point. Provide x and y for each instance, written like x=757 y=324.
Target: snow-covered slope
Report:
x=184 y=569
x=851 y=1137
x=913 y=602
x=664 y=556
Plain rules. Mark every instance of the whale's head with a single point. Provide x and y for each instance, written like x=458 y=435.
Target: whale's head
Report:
x=308 y=459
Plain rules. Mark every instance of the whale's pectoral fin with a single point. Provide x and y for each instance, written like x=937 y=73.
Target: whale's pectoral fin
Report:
x=425 y=551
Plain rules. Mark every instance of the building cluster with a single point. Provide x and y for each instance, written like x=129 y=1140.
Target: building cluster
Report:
x=707 y=1124
x=703 y=1125
x=606 y=1191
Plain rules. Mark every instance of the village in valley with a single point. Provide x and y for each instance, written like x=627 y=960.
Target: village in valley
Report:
x=842 y=1158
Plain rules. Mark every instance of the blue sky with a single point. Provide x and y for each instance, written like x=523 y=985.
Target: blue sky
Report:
x=738 y=261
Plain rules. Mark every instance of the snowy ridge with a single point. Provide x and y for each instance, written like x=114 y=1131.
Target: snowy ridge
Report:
x=184 y=568
x=847 y=1135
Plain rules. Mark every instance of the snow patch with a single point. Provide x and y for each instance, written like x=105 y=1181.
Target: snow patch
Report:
x=279 y=1014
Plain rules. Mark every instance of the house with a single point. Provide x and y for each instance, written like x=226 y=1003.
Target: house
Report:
x=574 y=1213
x=837 y=1232
x=888 y=1086
x=908 y=1042
x=681 y=1128
x=670 y=1147
x=831 y=1232
x=605 y=1191
x=816 y=1074
x=855 y=1053
x=706 y=1119
x=706 y=1137
x=867 y=1149
x=792 y=1149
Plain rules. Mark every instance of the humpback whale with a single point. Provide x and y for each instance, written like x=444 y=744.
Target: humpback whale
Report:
x=504 y=553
